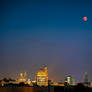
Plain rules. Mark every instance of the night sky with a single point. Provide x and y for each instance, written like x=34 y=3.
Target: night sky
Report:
x=51 y=32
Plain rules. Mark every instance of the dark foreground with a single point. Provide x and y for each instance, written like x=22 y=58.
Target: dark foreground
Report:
x=46 y=89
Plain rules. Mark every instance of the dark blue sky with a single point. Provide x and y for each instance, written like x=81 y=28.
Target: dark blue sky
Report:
x=52 y=32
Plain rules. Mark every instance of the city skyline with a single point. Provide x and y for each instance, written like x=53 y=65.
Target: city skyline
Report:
x=33 y=33
x=24 y=74
x=43 y=72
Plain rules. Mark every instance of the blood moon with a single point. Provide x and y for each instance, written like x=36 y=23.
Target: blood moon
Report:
x=85 y=18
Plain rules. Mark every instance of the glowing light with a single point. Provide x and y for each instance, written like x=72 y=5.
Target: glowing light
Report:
x=85 y=18
x=42 y=77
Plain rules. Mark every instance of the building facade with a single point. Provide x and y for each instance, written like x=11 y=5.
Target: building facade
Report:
x=70 y=80
x=22 y=77
x=42 y=77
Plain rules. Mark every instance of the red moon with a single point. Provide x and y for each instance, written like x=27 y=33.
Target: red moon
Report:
x=85 y=18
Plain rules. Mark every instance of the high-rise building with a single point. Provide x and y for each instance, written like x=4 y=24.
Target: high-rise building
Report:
x=22 y=77
x=70 y=80
x=42 y=77
x=85 y=77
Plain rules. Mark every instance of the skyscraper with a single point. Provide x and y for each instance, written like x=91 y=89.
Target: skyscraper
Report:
x=85 y=77
x=70 y=80
x=22 y=77
x=42 y=77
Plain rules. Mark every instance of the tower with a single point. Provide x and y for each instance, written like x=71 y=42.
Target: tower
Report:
x=85 y=77
x=70 y=80
x=45 y=70
x=22 y=77
x=25 y=75
x=42 y=77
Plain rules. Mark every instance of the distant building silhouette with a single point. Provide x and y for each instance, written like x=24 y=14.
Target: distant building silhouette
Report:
x=85 y=77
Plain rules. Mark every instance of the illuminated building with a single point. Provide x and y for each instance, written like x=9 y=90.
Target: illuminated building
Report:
x=22 y=77
x=91 y=84
x=57 y=84
x=29 y=82
x=2 y=82
x=42 y=77
x=70 y=80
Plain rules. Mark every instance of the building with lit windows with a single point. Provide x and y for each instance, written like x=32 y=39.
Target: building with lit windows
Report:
x=22 y=77
x=70 y=80
x=42 y=77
